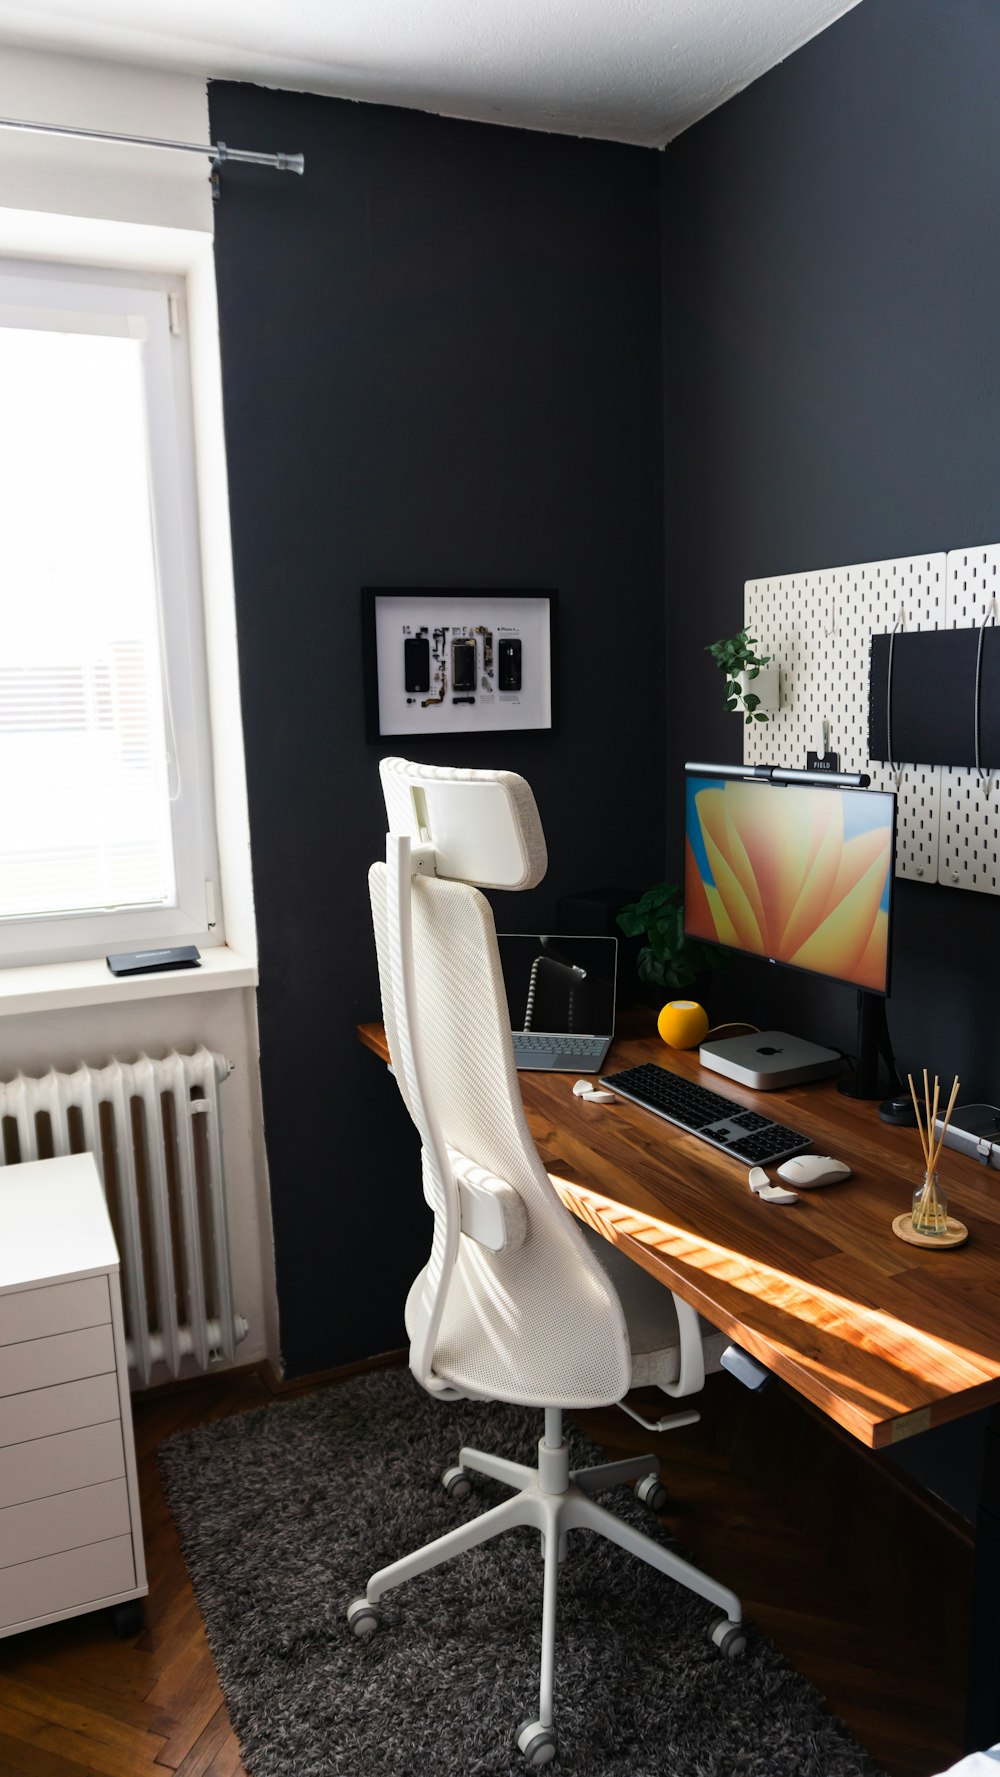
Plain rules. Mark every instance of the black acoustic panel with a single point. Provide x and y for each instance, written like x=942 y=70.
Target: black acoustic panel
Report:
x=930 y=718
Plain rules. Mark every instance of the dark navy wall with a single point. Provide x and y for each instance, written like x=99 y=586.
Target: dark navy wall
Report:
x=441 y=362
x=442 y=365
x=831 y=245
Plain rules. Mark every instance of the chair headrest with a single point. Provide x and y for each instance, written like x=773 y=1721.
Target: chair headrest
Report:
x=484 y=825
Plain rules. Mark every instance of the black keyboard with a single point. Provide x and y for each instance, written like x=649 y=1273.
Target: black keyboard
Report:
x=746 y=1135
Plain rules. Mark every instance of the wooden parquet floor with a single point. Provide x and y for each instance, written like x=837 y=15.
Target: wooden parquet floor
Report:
x=75 y=1702
x=862 y=1586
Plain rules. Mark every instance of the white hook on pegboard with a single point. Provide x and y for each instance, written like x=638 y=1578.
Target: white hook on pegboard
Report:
x=989 y=616
x=833 y=613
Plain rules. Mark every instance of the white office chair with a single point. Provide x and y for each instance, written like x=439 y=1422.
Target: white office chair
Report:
x=513 y=1304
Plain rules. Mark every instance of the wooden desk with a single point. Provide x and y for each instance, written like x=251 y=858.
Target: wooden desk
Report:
x=887 y=1339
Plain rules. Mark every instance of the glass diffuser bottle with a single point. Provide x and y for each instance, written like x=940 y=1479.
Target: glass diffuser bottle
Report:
x=930 y=1206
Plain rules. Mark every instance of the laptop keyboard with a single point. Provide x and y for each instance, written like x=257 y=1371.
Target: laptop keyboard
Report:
x=528 y=1042
x=724 y=1122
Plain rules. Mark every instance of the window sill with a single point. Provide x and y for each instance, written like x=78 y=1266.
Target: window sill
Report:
x=52 y=987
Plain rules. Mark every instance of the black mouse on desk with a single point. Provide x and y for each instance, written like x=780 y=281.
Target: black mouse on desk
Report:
x=899 y=1111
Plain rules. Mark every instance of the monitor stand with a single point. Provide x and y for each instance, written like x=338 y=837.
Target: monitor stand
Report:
x=873 y=1043
x=769 y=1059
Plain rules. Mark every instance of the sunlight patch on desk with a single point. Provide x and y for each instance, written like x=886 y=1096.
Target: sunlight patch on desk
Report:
x=904 y=1348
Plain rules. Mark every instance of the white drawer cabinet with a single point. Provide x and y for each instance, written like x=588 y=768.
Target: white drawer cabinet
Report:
x=27 y=1365
x=70 y=1532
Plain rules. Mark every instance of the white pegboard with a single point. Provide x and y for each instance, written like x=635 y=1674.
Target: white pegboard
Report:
x=818 y=628
x=970 y=807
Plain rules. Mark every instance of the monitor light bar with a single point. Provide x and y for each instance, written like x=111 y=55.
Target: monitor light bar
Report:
x=781 y=774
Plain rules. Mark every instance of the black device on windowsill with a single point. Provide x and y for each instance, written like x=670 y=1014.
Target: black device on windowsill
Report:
x=150 y=962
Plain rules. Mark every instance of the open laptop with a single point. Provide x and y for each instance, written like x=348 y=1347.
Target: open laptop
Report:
x=561 y=999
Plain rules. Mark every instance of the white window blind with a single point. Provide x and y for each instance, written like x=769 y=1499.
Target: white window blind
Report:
x=102 y=829
x=82 y=739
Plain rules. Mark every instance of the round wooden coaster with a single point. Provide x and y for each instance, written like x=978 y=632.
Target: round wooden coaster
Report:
x=956 y=1234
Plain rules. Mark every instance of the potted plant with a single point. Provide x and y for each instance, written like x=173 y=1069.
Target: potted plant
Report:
x=751 y=680
x=668 y=959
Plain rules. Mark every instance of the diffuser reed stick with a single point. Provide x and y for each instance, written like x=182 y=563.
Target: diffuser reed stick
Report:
x=920 y=1127
x=947 y=1119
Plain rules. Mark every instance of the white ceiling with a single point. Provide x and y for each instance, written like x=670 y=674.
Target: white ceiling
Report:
x=628 y=70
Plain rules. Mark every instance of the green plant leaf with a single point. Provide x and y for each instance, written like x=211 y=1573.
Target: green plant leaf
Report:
x=735 y=655
x=631 y=922
x=649 y=968
x=638 y=917
x=669 y=959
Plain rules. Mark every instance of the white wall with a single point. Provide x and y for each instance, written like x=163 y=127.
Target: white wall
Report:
x=73 y=178
x=98 y=204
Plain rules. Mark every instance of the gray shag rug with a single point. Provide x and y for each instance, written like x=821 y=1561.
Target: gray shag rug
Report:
x=284 y=1514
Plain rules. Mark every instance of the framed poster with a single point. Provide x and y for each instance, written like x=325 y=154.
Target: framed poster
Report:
x=456 y=662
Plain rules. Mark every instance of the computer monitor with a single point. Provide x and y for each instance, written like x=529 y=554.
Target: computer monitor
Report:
x=796 y=873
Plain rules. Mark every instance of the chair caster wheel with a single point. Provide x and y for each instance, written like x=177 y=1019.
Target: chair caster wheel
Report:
x=363 y=1617
x=652 y=1493
x=729 y=1638
x=538 y=1744
x=456 y=1483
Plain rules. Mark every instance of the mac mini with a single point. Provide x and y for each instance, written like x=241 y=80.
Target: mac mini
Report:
x=767 y=1059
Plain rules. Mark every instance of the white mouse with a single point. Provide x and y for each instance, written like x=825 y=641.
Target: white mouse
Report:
x=807 y=1170
x=583 y=1088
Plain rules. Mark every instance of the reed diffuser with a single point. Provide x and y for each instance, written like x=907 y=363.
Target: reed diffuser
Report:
x=930 y=1201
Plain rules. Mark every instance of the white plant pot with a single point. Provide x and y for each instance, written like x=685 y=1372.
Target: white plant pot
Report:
x=765 y=686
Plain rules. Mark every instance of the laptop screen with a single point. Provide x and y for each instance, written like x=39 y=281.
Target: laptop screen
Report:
x=559 y=986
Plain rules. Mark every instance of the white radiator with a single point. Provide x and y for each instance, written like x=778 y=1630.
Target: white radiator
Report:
x=153 y=1129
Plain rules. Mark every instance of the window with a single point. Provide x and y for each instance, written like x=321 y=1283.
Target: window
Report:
x=106 y=833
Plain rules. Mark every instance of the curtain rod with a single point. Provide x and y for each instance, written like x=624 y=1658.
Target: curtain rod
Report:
x=217 y=151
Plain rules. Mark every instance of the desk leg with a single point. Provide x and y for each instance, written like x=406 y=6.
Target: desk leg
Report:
x=982 y=1705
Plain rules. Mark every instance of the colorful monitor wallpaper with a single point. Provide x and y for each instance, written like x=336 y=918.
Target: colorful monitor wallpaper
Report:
x=796 y=874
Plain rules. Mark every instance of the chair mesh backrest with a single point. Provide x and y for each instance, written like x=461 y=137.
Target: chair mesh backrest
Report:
x=541 y=1324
